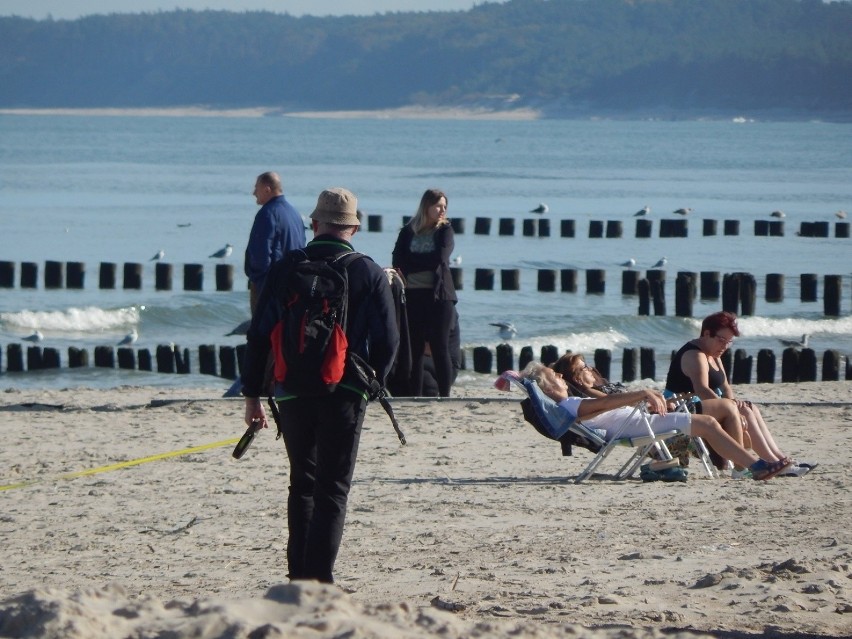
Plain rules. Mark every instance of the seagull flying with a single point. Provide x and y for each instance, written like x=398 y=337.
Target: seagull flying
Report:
x=629 y=263
x=223 y=252
x=541 y=208
x=159 y=255
x=796 y=343
x=35 y=337
x=130 y=338
x=683 y=211
x=778 y=214
x=643 y=211
x=660 y=263
x=183 y=225
x=507 y=329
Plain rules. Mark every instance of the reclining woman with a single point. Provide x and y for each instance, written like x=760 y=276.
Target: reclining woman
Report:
x=697 y=368
x=610 y=412
x=589 y=382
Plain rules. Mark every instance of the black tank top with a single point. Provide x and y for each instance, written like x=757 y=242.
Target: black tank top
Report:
x=678 y=382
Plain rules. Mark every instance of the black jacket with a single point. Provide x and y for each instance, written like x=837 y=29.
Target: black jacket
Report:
x=437 y=261
x=371 y=332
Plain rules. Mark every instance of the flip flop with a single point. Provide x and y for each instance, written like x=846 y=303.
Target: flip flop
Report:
x=761 y=470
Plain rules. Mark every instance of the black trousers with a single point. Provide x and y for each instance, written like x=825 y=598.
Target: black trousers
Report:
x=430 y=320
x=321 y=436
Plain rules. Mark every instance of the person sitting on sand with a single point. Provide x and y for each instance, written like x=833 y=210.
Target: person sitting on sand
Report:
x=610 y=412
x=588 y=382
x=697 y=368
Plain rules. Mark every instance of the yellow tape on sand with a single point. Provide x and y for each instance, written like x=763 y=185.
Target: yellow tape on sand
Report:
x=126 y=464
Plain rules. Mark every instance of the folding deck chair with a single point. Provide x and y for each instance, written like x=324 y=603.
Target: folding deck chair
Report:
x=682 y=402
x=554 y=423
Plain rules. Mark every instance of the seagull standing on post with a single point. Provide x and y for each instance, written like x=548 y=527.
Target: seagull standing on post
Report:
x=629 y=263
x=660 y=263
x=540 y=209
x=223 y=252
x=643 y=211
x=130 y=338
x=158 y=256
x=778 y=214
x=37 y=336
x=684 y=211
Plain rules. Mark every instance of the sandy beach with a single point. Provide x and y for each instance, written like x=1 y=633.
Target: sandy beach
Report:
x=124 y=515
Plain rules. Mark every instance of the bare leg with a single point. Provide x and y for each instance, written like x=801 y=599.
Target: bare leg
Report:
x=708 y=428
x=761 y=440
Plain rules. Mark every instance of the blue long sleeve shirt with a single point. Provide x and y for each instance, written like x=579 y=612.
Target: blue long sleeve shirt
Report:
x=277 y=229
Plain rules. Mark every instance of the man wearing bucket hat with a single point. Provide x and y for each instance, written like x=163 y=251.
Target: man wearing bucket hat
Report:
x=321 y=433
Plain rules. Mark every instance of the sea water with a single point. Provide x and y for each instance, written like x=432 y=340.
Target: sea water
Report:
x=118 y=189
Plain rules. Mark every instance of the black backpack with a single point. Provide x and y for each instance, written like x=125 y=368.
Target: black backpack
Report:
x=309 y=342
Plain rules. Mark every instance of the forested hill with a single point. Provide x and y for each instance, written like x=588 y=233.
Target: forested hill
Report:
x=561 y=56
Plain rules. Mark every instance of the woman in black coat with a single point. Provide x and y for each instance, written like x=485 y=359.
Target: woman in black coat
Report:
x=422 y=255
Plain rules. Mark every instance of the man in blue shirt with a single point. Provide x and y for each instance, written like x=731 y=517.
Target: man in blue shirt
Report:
x=277 y=229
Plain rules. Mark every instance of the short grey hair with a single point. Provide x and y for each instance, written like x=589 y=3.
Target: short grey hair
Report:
x=534 y=371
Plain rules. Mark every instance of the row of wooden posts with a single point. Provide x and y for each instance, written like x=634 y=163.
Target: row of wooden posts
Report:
x=72 y=275
x=541 y=227
x=636 y=363
x=738 y=290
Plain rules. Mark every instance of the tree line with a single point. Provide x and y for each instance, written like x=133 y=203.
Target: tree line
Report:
x=555 y=55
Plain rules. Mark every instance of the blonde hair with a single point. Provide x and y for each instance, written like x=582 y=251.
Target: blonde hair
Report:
x=430 y=198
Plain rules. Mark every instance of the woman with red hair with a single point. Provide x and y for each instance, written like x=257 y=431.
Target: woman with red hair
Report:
x=697 y=368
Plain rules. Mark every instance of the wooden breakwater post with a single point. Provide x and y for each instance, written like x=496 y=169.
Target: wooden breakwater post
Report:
x=506 y=226
x=546 y=280
x=106 y=275
x=831 y=366
x=75 y=275
x=510 y=279
x=483 y=279
x=458 y=225
x=774 y=288
x=54 y=274
x=596 y=229
x=765 y=366
x=482 y=226
x=567 y=228
x=739 y=291
x=630 y=282
x=549 y=354
x=647 y=363
x=163 y=276
x=193 y=277
x=529 y=227
x=603 y=361
x=741 y=369
x=228 y=362
x=808 y=287
x=77 y=357
x=482 y=359
x=595 y=281
x=126 y=358
x=132 y=275
x=657 y=283
x=525 y=357
x=505 y=358
x=685 y=291
x=644 y=228
x=568 y=280
x=629 y=364
x=831 y=295
x=7 y=274
x=29 y=275
x=224 y=277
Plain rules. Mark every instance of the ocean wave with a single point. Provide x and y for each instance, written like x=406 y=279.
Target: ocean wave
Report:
x=90 y=319
x=788 y=326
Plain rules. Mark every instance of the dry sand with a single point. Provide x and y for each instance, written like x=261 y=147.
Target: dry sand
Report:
x=474 y=529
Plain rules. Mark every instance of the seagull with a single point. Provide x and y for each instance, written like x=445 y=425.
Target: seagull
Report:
x=130 y=338
x=160 y=255
x=223 y=252
x=643 y=211
x=629 y=263
x=778 y=214
x=683 y=211
x=841 y=215
x=241 y=328
x=660 y=263
x=456 y=261
x=541 y=208
x=35 y=337
x=507 y=329
x=796 y=343
x=184 y=225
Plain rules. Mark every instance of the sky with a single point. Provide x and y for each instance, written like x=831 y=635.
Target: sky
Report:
x=70 y=9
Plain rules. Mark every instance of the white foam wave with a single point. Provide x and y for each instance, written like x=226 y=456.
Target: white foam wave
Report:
x=788 y=326
x=73 y=320
x=576 y=342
